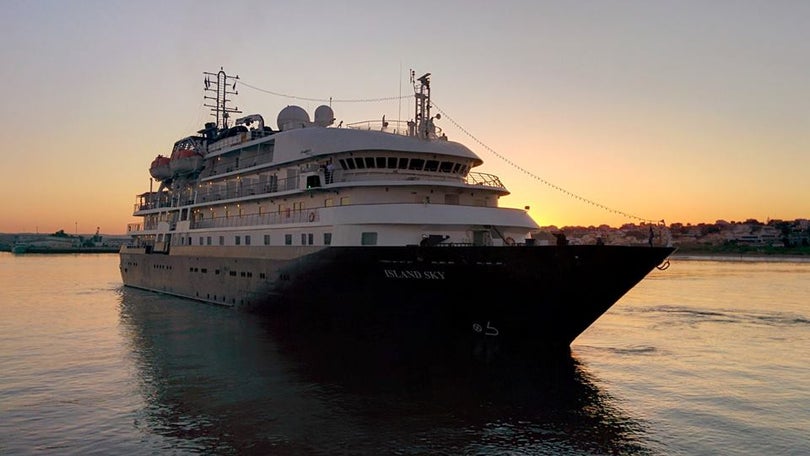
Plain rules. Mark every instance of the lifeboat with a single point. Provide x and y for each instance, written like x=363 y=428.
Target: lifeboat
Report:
x=185 y=161
x=160 y=169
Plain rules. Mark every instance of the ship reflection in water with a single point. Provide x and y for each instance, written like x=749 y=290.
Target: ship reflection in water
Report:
x=216 y=381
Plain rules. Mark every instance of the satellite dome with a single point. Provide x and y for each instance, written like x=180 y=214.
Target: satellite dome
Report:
x=292 y=117
x=324 y=116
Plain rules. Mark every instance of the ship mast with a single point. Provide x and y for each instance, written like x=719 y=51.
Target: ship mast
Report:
x=218 y=83
x=425 y=128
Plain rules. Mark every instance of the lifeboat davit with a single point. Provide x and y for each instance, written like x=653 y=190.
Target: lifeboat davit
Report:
x=160 y=169
x=185 y=161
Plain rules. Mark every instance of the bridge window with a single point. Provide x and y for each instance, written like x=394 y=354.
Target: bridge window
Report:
x=416 y=164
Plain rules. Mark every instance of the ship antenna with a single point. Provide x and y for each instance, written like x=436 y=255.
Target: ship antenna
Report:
x=219 y=86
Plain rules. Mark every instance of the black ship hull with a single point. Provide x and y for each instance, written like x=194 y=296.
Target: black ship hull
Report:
x=488 y=301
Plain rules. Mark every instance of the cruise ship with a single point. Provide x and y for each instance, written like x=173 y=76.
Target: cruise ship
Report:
x=377 y=231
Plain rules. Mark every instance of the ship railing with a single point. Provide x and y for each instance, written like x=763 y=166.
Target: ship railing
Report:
x=396 y=127
x=148 y=225
x=237 y=188
x=247 y=187
x=244 y=187
x=272 y=218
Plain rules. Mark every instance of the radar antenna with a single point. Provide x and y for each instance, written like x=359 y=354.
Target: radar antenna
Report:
x=218 y=83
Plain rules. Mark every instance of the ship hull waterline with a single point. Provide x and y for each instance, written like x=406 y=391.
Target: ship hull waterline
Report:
x=501 y=301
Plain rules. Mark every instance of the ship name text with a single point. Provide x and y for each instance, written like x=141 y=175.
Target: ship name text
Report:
x=413 y=274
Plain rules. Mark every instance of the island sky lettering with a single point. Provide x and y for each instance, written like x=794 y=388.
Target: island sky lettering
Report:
x=413 y=274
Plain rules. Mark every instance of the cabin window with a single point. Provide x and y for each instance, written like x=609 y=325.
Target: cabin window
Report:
x=310 y=238
x=327 y=238
x=303 y=239
x=368 y=238
x=446 y=167
x=456 y=168
x=370 y=162
x=432 y=165
x=288 y=239
x=344 y=201
x=416 y=164
x=222 y=240
x=328 y=202
x=349 y=163
x=392 y=162
x=380 y=162
x=359 y=163
x=403 y=163
x=266 y=239
x=201 y=240
x=247 y=239
x=237 y=240
x=208 y=240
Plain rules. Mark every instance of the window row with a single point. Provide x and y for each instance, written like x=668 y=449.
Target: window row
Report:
x=366 y=238
x=247 y=239
x=404 y=163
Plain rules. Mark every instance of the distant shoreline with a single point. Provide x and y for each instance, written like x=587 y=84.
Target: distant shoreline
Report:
x=742 y=253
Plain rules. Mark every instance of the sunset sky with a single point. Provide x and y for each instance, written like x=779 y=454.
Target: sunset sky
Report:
x=687 y=111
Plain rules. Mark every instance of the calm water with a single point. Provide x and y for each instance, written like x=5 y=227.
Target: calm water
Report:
x=707 y=357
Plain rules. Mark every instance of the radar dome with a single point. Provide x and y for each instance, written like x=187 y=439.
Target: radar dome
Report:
x=292 y=117
x=324 y=116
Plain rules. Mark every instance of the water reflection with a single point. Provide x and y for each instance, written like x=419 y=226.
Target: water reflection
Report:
x=219 y=381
